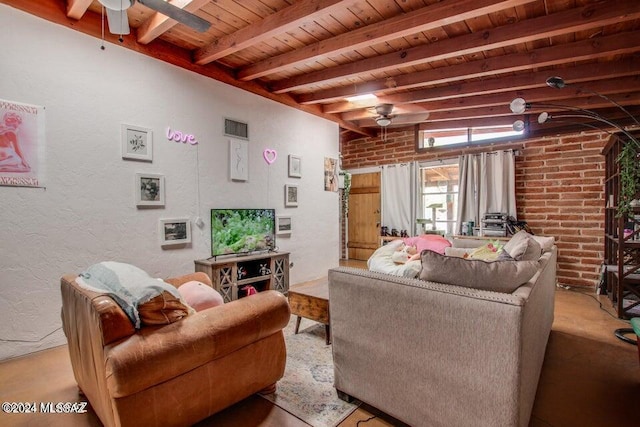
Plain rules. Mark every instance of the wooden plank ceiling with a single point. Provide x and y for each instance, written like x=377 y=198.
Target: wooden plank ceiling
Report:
x=440 y=64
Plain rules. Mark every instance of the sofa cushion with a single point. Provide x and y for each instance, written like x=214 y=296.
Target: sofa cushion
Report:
x=200 y=296
x=523 y=247
x=498 y=276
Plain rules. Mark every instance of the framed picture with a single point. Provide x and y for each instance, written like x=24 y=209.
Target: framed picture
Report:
x=290 y=195
x=238 y=160
x=137 y=143
x=175 y=231
x=330 y=174
x=149 y=189
x=295 y=166
x=283 y=224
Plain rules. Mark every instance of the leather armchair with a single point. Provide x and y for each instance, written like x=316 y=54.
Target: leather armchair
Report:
x=176 y=374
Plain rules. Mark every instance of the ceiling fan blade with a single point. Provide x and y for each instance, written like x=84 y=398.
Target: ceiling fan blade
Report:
x=178 y=14
x=118 y=21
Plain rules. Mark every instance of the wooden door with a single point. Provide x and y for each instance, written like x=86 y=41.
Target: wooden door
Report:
x=364 y=215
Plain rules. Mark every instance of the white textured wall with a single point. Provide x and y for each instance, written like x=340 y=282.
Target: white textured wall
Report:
x=87 y=213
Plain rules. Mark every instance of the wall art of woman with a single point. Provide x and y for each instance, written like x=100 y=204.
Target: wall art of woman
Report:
x=11 y=157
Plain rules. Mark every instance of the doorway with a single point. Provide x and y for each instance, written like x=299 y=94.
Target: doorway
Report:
x=364 y=216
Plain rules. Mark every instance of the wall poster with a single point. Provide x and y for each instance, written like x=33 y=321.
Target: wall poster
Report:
x=330 y=174
x=22 y=144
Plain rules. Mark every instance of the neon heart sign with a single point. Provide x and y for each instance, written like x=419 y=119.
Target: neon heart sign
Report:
x=269 y=155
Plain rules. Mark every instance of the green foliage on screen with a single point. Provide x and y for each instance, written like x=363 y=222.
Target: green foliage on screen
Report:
x=241 y=230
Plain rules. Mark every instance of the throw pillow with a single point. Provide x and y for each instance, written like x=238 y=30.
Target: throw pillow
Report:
x=458 y=252
x=200 y=296
x=523 y=247
x=498 y=276
x=381 y=261
x=546 y=242
x=432 y=242
x=488 y=252
x=162 y=310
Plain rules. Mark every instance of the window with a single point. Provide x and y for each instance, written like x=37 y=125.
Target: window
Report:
x=444 y=137
x=439 y=197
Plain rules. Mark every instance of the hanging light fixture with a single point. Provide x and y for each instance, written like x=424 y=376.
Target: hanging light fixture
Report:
x=520 y=105
x=383 y=121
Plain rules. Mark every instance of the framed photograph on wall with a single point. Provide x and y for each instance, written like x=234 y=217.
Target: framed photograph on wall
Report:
x=283 y=225
x=295 y=166
x=175 y=231
x=137 y=143
x=290 y=195
x=149 y=189
x=238 y=160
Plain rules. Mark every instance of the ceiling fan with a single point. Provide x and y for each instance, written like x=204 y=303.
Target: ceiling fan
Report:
x=119 y=21
x=384 y=114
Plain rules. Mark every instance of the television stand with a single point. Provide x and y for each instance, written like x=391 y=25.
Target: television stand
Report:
x=232 y=276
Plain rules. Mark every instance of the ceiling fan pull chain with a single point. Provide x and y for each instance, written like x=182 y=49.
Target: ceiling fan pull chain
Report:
x=102 y=47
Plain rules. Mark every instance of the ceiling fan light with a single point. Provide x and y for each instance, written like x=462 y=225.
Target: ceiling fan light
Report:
x=518 y=106
x=543 y=117
x=518 y=125
x=556 y=82
x=383 y=121
x=117 y=4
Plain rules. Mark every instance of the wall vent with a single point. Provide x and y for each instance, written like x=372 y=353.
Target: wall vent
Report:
x=236 y=128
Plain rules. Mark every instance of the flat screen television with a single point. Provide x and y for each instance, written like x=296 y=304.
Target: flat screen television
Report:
x=242 y=231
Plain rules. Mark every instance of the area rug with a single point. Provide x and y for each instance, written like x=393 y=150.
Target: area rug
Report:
x=306 y=390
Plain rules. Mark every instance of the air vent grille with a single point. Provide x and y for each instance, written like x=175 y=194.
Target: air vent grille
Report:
x=236 y=128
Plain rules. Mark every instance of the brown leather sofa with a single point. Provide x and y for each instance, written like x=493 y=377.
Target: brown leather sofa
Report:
x=175 y=374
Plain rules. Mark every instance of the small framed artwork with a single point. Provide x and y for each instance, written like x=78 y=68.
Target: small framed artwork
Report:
x=290 y=195
x=283 y=224
x=137 y=143
x=238 y=160
x=295 y=166
x=149 y=189
x=175 y=231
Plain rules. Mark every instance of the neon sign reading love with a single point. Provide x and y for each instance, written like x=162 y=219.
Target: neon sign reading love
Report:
x=178 y=136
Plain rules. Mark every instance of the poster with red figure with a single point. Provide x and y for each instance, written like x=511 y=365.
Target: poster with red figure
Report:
x=21 y=144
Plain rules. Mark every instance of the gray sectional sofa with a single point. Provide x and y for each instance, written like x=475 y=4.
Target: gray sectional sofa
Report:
x=436 y=354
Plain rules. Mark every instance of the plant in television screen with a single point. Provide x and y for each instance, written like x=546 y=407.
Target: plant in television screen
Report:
x=240 y=231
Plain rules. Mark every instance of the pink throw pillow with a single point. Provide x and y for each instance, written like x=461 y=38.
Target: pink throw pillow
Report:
x=199 y=295
x=432 y=242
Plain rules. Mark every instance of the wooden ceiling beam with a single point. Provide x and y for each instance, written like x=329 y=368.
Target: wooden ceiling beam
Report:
x=280 y=22
x=584 y=50
x=55 y=11
x=569 y=21
x=591 y=103
x=77 y=8
x=540 y=94
x=158 y=24
x=575 y=74
x=442 y=13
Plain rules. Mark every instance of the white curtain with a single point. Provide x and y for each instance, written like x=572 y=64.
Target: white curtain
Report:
x=487 y=184
x=399 y=197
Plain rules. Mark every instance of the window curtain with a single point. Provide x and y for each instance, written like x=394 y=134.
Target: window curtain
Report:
x=487 y=184
x=399 y=197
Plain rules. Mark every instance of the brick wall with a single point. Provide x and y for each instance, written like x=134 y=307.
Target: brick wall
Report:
x=559 y=190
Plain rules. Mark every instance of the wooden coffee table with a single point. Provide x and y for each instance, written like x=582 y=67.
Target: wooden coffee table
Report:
x=311 y=301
